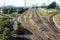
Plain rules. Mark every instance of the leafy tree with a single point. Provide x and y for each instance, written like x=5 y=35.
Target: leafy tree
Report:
x=5 y=23
x=7 y=10
x=52 y=5
x=7 y=34
x=2 y=23
x=5 y=29
x=10 y=10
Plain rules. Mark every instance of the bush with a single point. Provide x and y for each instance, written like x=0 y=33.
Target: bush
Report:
x=7 y=10
x=7 y=34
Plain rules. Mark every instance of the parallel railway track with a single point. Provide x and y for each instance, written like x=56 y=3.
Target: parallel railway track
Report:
x=42 y=29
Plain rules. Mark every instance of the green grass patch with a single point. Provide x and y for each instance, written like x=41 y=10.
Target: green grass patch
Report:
x=46 y=12
x=57 y=19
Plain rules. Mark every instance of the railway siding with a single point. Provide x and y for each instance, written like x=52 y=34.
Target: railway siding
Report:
x=39 y=26
x=56 y=20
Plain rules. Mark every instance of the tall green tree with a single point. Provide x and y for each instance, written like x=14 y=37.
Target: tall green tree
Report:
x=7 y=34
x=10 y=10
x=7 y=10
x=52 y=5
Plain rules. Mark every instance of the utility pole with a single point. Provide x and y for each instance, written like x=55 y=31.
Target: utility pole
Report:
x=4 y=2
x=25 y=3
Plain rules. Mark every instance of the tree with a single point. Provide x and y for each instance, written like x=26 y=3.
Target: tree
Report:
x=52 y=5
x=5 y=29
x=5 y=23
x=7 y=10
x=10 y=10
x=7 y=34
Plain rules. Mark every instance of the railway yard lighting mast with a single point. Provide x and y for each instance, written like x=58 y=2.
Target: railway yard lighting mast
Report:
x=4 y=2
x=25 y=3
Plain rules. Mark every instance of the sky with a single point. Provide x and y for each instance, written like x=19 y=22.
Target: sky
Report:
x=18 y=3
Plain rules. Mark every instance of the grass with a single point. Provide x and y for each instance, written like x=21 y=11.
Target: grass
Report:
x=51 y=10
x=46 y=12
x=25 y=12
x=57 y=20
x=15 y=13
x=1 y=17
x=43 y=13
x=8 y=15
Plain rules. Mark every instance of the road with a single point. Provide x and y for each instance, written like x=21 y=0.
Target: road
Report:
x=41 y=28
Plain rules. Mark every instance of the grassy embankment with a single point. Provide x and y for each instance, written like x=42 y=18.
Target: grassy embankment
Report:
x=46 y=12
x=56 y=20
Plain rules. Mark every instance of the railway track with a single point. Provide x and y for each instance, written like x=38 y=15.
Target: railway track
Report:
x=29 y=26
x=38 y=21
x=55 y=30
x=42 y=28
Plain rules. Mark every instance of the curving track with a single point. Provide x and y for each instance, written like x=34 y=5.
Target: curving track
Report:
x=55 y=33
x=41 y=28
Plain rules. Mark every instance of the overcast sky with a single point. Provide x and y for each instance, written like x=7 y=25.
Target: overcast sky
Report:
x=28 y=2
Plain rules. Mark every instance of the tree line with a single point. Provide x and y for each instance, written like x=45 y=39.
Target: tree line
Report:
x=11 y=10
x=53 y=5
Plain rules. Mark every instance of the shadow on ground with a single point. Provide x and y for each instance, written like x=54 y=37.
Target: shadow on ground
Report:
x=18 y=38
x=26 y=32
